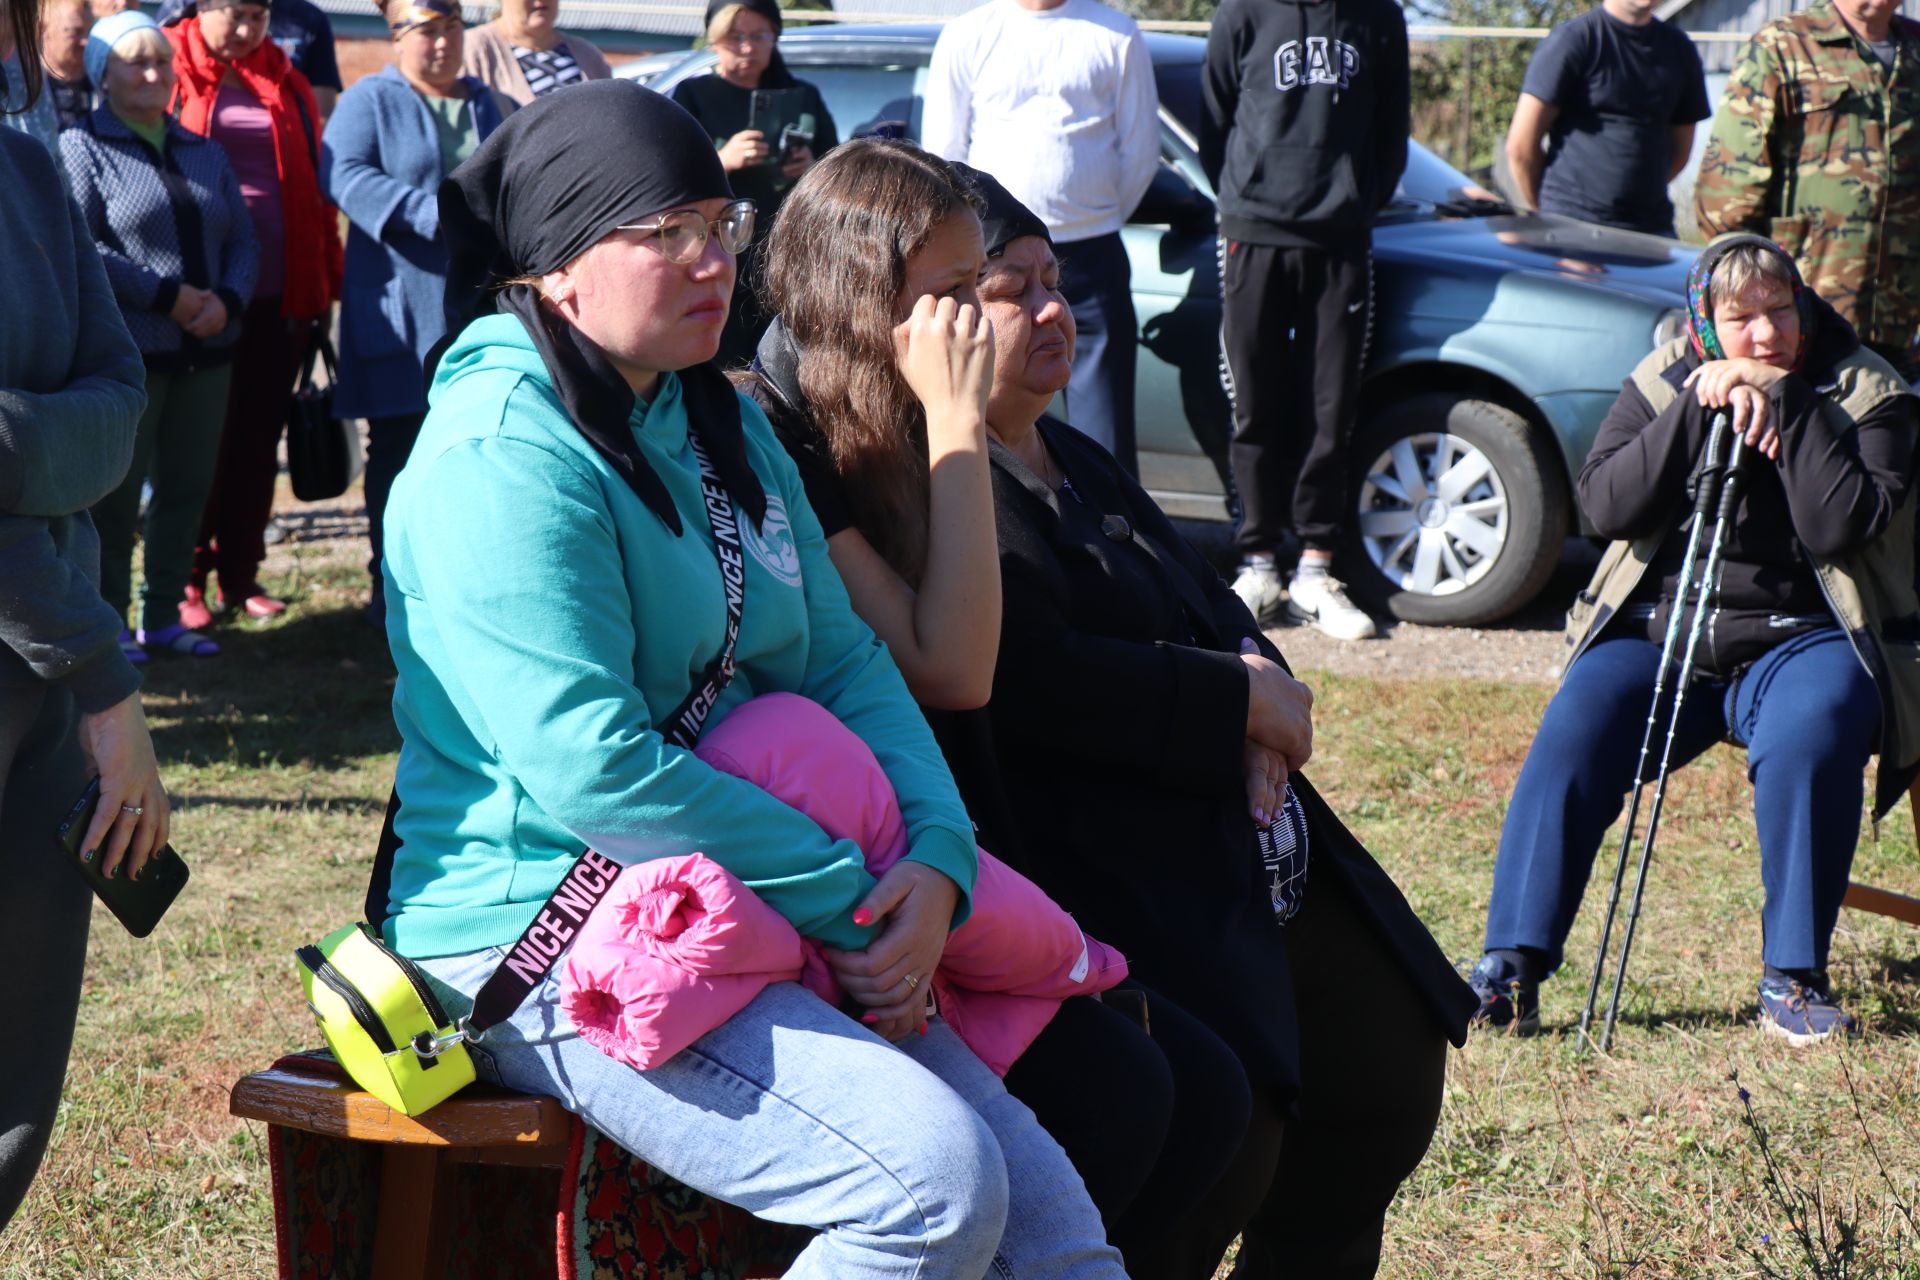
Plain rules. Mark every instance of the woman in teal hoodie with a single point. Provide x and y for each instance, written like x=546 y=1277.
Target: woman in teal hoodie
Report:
x=595 y=548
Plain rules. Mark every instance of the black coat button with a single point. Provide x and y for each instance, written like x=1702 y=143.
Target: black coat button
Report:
x=1116 y=528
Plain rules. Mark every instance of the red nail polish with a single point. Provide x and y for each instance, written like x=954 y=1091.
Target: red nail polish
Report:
x=923 y=1028
x=869 y=1018
x=863 y=916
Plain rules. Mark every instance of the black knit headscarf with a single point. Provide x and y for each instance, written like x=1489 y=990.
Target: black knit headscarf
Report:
x=546 y=186
x=1003 y=219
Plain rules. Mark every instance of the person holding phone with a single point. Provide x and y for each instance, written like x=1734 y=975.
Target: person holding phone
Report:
x=69 y=699
x=770 y=128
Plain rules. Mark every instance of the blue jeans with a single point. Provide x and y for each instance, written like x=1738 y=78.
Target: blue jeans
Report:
x=1808 y=715
x=911 y=1160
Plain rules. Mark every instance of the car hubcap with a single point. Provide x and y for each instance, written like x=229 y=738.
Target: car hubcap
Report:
x=1433 y=514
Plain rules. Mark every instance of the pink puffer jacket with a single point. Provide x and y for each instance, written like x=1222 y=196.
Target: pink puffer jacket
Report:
x=680 y=945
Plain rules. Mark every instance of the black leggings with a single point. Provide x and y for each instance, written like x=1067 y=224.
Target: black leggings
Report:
x=1180 y=1155
x=1372 y=1066
x=1150 y=1123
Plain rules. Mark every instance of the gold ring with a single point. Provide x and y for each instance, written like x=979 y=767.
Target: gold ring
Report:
x=913 y=983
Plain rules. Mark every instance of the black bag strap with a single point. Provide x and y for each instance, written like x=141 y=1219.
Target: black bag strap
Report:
x=306 y=126
x=682 y=727
x=592 y=874
x=320 y=350
x=587 y=881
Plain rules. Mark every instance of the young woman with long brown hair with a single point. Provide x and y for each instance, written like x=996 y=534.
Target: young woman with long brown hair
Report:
x=1140 y=734
x=878 y=375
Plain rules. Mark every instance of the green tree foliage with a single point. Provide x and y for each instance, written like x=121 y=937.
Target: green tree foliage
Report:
x=1464 y=89
x=1168 y=10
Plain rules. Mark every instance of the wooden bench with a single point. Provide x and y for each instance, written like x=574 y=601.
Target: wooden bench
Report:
x=414 y=1177
x=1882 y=902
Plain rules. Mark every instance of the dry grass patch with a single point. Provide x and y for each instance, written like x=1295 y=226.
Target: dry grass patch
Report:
x=1547 y=1163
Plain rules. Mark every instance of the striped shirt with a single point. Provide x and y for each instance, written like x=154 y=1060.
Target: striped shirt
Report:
x=548 y=69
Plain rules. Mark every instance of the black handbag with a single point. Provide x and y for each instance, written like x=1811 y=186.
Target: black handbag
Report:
x=322 y=450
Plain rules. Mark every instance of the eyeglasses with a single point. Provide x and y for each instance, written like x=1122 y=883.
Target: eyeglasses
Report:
x=749 y=39
x=683 y=233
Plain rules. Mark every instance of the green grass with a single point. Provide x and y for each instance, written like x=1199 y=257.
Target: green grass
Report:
x=1547 y=1163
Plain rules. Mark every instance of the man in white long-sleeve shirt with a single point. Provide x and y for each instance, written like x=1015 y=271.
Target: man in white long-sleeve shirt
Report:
x=1055 y=98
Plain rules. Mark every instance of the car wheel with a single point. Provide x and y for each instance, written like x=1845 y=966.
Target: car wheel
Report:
x=1460 y=508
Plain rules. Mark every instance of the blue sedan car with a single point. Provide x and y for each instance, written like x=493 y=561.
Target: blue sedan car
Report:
x=1498 y=342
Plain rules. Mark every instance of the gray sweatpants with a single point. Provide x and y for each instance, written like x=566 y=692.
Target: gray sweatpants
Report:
x=44 y=909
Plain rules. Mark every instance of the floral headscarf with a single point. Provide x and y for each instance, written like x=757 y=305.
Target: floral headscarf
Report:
x=1700 y=332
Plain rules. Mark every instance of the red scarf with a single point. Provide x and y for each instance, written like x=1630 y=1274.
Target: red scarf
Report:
x=313 y=254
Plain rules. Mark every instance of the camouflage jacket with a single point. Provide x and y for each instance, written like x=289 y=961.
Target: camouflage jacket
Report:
x=1817 y=146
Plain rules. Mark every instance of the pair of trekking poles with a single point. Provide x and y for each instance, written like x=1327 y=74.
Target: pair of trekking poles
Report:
x=1717 y=492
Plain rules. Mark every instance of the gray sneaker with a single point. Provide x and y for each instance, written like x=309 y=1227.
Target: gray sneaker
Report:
x=1321 y=598
x=1802 y=1013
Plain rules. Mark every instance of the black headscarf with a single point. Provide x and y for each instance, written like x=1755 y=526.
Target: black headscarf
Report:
x=546 y=186
x=1003 y=219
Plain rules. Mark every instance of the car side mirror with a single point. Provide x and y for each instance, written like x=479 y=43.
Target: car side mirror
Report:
x=1173 y=201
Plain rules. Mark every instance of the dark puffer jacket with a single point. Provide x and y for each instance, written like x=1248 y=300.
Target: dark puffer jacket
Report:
x=1821 y=537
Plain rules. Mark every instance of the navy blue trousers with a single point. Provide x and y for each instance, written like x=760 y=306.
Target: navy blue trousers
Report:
x=1808 y=715
x=1097 y=283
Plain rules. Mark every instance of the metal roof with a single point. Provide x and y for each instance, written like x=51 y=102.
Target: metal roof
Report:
x=674 y=17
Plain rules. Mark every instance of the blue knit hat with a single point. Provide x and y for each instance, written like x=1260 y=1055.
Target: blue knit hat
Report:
x=108 y=32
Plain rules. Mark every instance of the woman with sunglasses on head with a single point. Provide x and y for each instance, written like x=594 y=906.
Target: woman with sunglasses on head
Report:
x=391 y=141
x=237 y=87
x=745 y=36
x=1139 y=728
x=595 y=542
x=70 y=398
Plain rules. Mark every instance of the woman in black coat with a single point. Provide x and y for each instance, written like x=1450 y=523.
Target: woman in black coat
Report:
x=1139 y=725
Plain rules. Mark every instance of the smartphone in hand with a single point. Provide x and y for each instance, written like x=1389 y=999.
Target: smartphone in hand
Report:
x=137 y=904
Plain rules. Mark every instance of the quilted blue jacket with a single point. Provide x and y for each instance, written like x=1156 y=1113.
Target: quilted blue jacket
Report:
x=161 y=220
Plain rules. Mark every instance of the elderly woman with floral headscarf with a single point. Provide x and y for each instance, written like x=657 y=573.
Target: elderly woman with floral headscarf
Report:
x=1810 y=662
x=391 y=141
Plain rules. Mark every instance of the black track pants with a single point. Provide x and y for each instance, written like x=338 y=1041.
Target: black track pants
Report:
x=1294 y=332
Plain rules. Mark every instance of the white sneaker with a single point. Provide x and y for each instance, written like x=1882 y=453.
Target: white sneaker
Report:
x=1321 y=599
x=1260 y=588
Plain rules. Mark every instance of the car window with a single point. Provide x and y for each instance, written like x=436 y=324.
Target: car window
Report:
x=1179 y=85
x=861 y=97
x=1429 y=179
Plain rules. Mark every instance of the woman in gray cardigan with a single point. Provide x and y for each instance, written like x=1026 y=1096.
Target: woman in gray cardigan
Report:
x=392 y=139
x=165 y=209
x=69 y=701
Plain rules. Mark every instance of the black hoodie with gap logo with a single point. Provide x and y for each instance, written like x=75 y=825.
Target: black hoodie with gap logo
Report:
x=1304 y=131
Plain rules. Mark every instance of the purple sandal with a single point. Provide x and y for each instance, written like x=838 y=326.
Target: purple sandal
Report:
x=131 y=647
x=177 y=638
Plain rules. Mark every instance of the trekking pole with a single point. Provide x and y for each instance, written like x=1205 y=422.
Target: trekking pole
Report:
x=1729 y=495
x=1707 y=493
